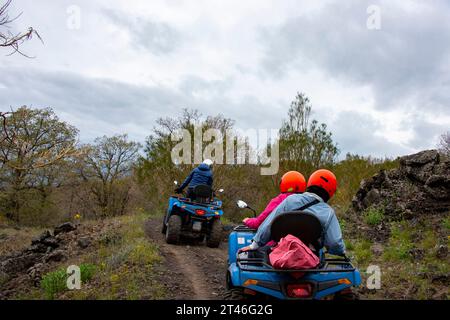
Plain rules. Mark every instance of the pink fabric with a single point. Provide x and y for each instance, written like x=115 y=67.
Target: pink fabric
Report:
x=254 y=223
x=292 y=253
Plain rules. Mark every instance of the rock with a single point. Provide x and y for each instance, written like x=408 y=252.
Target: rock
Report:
x=51 y=242
x=441 y=278
x=417 y=254
x=56 y=256
x=43 y=243
x=20 y=262
x=41 y=237
x=377 y=249
x=84 y=242
x=441 y=295
x=64 y=228
x=420 y=158
x=442 y=252
x=38 y=248
x=421 y=185
x=35 y=273
x=373 y=196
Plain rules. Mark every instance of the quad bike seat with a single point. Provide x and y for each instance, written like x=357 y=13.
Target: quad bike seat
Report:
x=300 y=224
x=202 y=194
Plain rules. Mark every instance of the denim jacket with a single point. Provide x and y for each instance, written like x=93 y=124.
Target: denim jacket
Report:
x=332 y=231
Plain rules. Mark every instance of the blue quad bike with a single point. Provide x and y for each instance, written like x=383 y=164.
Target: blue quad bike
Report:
x=250 y=274
x=197 y=218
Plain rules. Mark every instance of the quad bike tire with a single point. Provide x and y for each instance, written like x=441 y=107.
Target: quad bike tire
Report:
x=173 y=229
x=235 y=294
x=214 y=237
x=164 y=226
x=347 y=295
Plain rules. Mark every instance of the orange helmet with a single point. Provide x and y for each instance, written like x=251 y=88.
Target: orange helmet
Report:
x=292 y=181
x=325 y=179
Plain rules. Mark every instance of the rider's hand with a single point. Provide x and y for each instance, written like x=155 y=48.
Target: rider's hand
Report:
x=245 y=249
x=245 y=220
x=253 y=246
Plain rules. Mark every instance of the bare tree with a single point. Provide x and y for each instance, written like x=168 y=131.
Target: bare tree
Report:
x=107 y=164
x=13 y=40
x=31 y=140
x=444 y=143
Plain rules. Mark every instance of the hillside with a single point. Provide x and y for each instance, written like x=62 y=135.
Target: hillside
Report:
x=127 y=258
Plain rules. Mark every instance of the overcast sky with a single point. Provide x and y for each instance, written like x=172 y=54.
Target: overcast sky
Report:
x=382 y=92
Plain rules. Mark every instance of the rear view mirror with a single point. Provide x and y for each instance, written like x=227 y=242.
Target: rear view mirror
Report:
x=221 y=190
x=241 y=204
x=175 y=182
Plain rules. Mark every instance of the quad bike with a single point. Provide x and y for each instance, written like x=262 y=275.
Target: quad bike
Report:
x=194 y=218
x=250 y=274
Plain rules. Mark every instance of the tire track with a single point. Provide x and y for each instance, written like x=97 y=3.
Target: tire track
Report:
x=190 y=270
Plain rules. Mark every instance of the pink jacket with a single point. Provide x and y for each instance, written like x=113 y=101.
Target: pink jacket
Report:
x=254 y=223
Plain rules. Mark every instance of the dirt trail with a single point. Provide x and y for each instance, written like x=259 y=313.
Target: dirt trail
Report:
x=190 y=270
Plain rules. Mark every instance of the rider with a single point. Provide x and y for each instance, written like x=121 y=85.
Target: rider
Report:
x=292 y=182
x=321 y=188
x=202 y=175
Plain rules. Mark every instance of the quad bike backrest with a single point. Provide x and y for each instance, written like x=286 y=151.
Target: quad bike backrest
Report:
x=203 y=193
x=300 y=224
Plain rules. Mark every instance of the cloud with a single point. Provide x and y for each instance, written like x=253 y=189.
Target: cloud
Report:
x=95 y=106
x=356 y=133
x=425 y=133
x=103 y=106
x=381 y=92
x=407 y=58
x=157 y=37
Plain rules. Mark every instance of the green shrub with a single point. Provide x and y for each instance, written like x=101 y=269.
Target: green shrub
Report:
x=349 y=245
x=373 y=216
x=87 y=271
x=363 y=252
x=343 y=224
x=446 y=223
x=54 y=283
x=430 y=240
x=144 y=253
x=400 y=243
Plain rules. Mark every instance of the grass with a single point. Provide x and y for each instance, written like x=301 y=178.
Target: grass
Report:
x=87 y=272
x=349 y=245
x=400 y=243
x=446 y=223
x=15 y=239
x=126 y=260
x=429 y=240
x=121 y=265
x=373 y=216
x=55 y=282
x=362 y=252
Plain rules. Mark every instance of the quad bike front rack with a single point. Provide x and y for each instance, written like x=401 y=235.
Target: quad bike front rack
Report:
x=261 y=265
